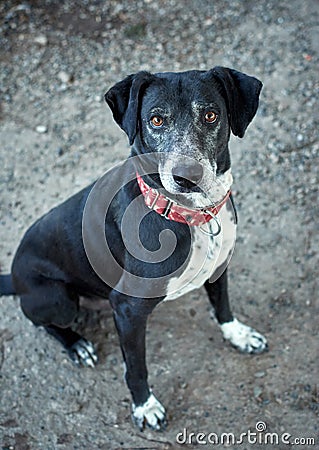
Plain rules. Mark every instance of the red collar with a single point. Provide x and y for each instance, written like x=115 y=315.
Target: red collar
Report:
x=172 y=211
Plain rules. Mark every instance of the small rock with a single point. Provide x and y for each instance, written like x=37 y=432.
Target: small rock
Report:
x=260 y=374
x=208 y=22
x=257 y=391
x=65 y=77
x=41 y=40
x=41 y=129
x=274 y=158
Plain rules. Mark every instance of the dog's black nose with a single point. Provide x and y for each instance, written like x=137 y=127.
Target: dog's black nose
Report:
x=188 y=175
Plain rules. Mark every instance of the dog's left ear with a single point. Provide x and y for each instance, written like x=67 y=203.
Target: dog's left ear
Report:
x=124 y=99
x=241 y=93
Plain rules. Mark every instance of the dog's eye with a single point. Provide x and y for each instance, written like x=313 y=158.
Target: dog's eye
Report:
x=210 y=117
x=157 y=121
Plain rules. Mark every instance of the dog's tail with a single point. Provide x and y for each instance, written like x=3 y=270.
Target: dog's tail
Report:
x=6 y=285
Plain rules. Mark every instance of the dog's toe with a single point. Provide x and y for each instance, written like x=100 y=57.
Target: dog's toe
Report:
x=257 y=343
x=82 y=353
x=151 y=413
x=244 y=338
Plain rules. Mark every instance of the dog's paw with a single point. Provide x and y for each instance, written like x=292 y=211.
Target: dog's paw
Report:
x=151 y=413
x=82 y=353
x=244 y=338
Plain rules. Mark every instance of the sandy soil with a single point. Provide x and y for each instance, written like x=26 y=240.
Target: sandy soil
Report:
x=57 y=60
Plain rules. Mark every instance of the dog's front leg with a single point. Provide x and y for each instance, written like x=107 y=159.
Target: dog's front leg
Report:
x=130 y=316
x=241 y=336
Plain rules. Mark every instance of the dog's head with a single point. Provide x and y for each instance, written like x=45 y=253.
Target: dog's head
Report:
x=186 y=118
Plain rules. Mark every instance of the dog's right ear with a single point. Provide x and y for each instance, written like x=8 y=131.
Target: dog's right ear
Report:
x=124 y=99
x=241 y=93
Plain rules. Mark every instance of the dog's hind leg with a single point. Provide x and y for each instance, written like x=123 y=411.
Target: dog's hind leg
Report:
x=241 y=336
x=54 y=305
x=80 y=350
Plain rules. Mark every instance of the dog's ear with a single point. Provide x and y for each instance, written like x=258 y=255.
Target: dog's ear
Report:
x=241 y=93
x=124 y=99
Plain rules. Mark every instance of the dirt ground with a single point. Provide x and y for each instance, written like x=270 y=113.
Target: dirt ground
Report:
x=57 y=60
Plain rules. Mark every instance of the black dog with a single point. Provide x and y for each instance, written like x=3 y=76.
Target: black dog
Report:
x=152 y=229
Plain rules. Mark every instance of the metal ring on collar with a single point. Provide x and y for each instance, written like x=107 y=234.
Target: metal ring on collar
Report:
x=219 y=228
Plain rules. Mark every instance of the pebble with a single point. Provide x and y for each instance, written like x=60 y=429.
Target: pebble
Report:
x=260 y=374
x=41 y=129
x=274 y=158
x=257 y=391
x=41 y=40
x=65 y=77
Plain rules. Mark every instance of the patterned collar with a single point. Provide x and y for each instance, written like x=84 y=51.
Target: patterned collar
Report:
x=173 y=211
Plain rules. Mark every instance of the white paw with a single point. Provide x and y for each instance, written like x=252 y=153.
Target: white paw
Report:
x=83 y=353
x=151 y=413
x=244 y=338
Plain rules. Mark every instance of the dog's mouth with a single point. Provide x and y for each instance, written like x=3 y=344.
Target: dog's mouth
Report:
x=184 y=180
x=195 y=186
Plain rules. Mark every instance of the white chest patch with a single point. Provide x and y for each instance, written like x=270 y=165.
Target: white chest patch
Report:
x=208 y=253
